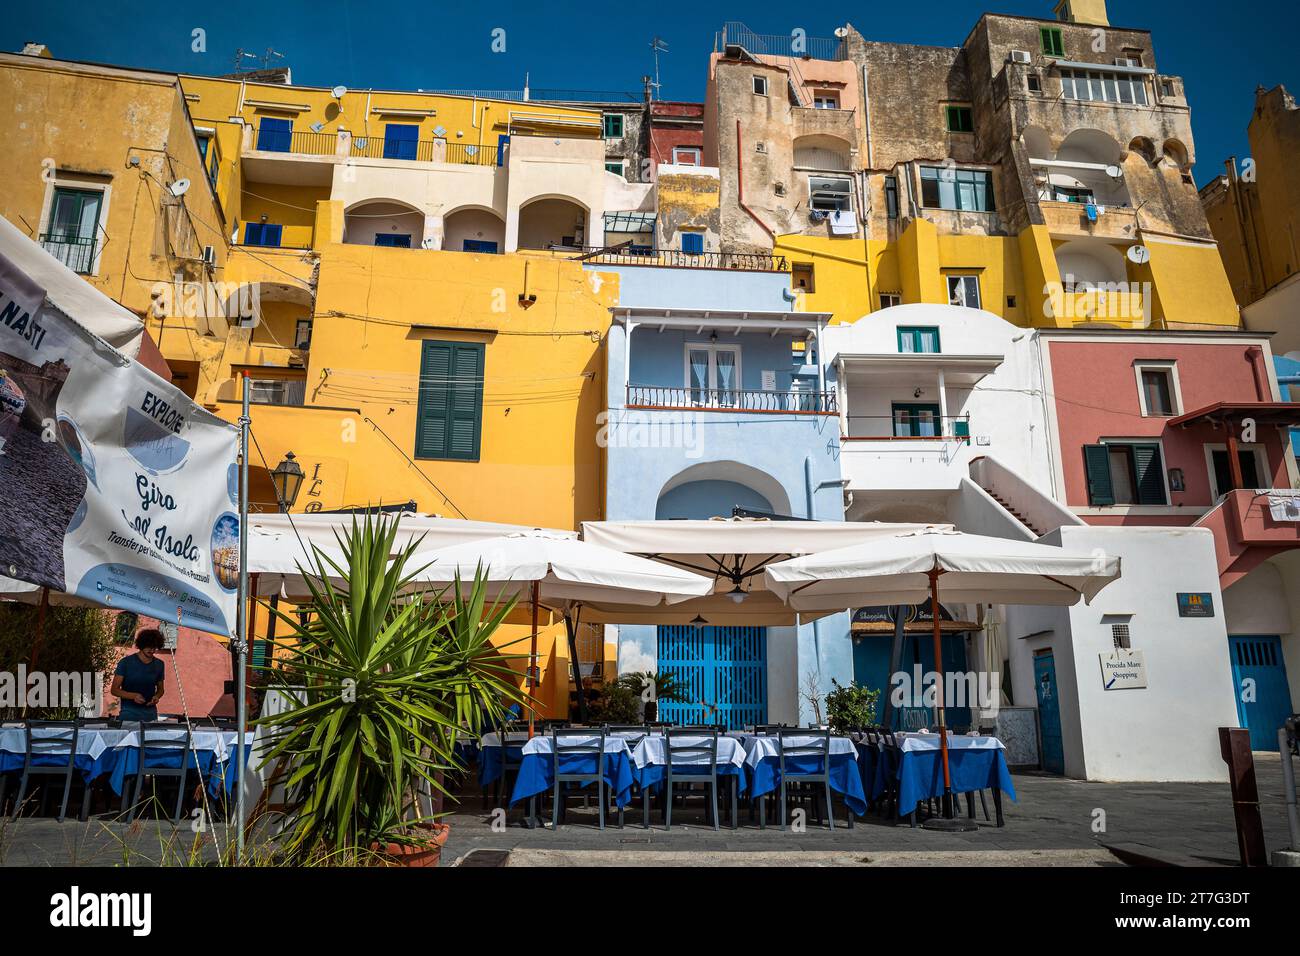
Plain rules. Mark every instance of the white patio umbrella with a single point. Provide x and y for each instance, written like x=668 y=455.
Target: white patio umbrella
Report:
x=557 y=570
x=277 y=562
x=975 y=568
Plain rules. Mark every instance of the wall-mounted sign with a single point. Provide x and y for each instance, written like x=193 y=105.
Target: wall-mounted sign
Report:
x=1195 y=604
x=1122 y=669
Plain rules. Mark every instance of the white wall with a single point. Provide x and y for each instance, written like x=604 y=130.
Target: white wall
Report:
x=1006 y=407
x=1168 y=730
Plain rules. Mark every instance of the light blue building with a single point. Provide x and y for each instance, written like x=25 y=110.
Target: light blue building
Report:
x=718 y=400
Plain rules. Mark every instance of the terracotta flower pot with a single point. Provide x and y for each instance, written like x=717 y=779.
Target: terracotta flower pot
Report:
x=426 y=853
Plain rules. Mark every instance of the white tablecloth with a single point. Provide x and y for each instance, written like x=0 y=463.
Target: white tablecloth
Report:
x=653 y=751
x=913 y=742
x=493 y=739
x=542 y=745
x=761 y=747
x=93 y=741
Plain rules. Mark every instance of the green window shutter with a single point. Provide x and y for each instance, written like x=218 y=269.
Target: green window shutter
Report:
x=450 y=416
x=1052 y=42
x=1149 y=467
x=1096 y=464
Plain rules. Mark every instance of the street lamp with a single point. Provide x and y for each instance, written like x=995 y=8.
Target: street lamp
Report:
x=287 y=478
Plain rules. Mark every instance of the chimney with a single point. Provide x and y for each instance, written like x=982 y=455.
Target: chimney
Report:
x=1083 y=11
x=36 y=49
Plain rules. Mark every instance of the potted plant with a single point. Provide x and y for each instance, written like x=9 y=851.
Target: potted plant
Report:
x=652 y=687
x=388 y=682
x=850 y=708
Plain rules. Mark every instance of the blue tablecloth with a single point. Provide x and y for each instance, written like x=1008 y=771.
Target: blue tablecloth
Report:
x=128 y=762
x=537 y=774
x=653 y=774
x=89 y=767
x=920 y=775
x=846 y=778
x=490 y=763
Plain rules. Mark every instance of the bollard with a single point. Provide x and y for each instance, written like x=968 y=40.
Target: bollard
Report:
x=1288 y=740
x=1234 y=747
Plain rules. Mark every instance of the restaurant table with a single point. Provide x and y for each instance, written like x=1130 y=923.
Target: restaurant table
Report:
x=974 y=763
x=490 y=756
x=537 y=769
x=114 y=752
x=763 y=762
x=650 y=760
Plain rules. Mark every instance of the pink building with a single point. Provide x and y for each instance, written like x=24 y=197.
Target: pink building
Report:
x=1189 y=430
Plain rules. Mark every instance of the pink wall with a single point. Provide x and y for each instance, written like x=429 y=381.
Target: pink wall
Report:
x=203 y=664
x=1097 y=397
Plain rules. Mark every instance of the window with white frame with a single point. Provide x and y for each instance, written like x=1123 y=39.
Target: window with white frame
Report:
x=1125 y=472
x=948 y=187
x=73 y=225
x=826 y=100
x=614 y=166
x=713 y=374
x=964 y=290
x=890 y=299
x=1103 y=86
x=1252 y=459
x=760 y=84
x=1158 y=393
x=686 y=156
x=829 y=194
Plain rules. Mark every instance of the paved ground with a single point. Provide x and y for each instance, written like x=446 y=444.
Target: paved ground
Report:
x=1056 y=822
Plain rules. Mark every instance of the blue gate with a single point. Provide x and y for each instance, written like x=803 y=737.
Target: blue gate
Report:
x=1264 y=703
x=1049 y=712
x=724 y=671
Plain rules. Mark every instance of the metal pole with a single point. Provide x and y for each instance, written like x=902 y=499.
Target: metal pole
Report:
x=241 y=638
x=532 y=669
x=938 y=688
x=1288 y=788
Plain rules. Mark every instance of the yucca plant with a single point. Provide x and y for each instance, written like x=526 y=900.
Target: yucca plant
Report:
x=388 y=681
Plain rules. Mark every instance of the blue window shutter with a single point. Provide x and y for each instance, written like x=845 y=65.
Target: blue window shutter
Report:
x=275 y=135
x=1096 y=463
x=271 y=234
x=450 y=412
x=400 y=140
x=1149 y=467
x=252 y=233
x=692 y=242
x=502 y=142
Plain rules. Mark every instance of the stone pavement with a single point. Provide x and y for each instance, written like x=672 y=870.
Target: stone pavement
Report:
x=1052 y=824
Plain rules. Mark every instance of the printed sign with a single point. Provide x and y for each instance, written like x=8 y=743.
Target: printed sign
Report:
x=1122 y=669
x=108 y=473
x=1195 y=605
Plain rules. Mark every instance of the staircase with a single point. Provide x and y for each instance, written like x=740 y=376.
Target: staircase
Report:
x=1038 y=532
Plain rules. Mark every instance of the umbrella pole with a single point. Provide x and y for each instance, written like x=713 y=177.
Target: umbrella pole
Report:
x=947 y=821
x=40 y=626
x=571 y=626
x=532 y=669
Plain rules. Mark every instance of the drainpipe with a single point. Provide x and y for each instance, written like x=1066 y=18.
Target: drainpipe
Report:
x=810 y=492
x=740 y=189
x=1255 y=355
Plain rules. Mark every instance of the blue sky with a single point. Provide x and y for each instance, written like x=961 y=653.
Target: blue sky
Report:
x=1222 y=54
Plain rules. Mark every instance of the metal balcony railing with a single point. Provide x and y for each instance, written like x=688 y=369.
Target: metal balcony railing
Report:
x=795 y=402
x=736 y=34
x=423 y=151
x=303 y=142
x=75 y=252
x=470 y=155
x=676 y=258
x=908 y=426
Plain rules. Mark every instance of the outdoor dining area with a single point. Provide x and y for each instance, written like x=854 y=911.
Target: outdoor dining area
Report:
x=163 y=768
x=772 y=770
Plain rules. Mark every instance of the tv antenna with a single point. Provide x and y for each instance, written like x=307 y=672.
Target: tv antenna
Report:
x=657 y=46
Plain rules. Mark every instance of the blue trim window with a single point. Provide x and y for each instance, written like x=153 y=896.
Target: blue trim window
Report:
x=262 y=234
x=918 y=339
x=693 y=242
x=393 y=240
x=613 y=125
x=965 y=190
x=274 y=135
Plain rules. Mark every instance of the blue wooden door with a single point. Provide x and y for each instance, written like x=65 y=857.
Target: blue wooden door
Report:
x=1049 y=712
x=724 y=671
x=871 y=654
x=275 y=135
x=401 y=140
x=1262 y=692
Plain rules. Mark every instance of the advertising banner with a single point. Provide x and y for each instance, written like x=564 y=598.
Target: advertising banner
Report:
x=116 y=487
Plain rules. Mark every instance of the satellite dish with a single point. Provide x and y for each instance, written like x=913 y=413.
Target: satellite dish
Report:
x=1114 y=172
x=1138 y=255
x=317 y=126
x=841 y=32
x=179 y=187
x=426 y=243
x=339 y=92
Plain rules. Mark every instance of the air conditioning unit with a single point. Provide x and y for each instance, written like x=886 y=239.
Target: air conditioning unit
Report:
x=1020 y=56
x=210 y=256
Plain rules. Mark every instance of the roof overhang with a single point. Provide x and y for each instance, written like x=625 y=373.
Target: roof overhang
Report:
x=893 y=368
x=1105 y=67
x=723 y=320
x=1279 y=414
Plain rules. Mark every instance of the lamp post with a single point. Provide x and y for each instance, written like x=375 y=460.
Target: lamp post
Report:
x=287 y=479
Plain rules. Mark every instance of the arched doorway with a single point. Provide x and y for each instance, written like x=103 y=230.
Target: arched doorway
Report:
x=553 y=223
x=383 y=222
x=473 y=229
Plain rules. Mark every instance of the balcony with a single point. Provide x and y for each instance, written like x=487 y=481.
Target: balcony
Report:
x=423 y=151
x=75 y=252
x=884 y=453
x=792 y=402
x=1070 y=219
x=626 y=255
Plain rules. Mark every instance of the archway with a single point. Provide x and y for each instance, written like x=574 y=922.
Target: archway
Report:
x=473 y=229
x=553 y=223
x=383 y=222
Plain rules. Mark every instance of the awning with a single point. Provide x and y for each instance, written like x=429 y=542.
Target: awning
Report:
x=895 y=368
x=71 y=294
x=1278 y=414
x=629 y=221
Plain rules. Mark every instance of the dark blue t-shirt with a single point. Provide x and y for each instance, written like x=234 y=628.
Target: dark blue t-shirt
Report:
x=139 y=678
